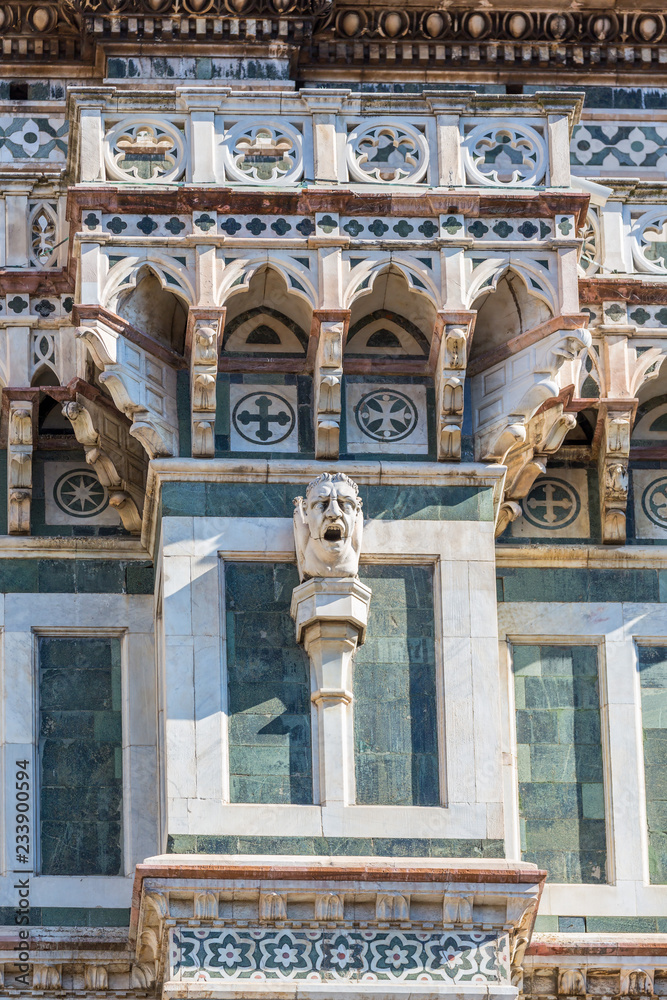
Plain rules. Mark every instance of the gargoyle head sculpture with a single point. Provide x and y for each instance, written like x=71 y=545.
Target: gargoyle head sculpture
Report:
x=328 y=523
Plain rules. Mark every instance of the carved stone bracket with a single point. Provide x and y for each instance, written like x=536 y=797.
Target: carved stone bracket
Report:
x=450 y=370
x=527 y=460
x=19 y=467
x=204 y=338
x=328 y=376
x=142 y=386
x=615 y=420
x=507 y=395
x=119 y=497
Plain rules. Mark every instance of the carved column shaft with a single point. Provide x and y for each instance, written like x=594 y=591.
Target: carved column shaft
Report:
x=330 y=610
x=205 y=341
x=613 y=456
x=19 y=467
x=450 y=377
x=331 y=616
x=328 y=377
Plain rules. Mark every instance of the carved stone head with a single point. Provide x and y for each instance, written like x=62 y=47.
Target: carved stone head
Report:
x=328 y=524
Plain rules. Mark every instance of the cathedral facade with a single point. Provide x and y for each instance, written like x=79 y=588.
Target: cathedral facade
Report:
x=334 y=444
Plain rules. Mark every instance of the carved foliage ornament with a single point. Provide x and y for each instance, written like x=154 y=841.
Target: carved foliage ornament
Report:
x=504 y=154
x=145 y=149
x=328 y=524
x=263 y=153
x=386 y=152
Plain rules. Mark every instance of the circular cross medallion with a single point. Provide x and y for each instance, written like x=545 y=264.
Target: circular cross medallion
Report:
x=386 y=415
x=552 y=503
x=654 y=502
x=263 y=418
x=80 y=494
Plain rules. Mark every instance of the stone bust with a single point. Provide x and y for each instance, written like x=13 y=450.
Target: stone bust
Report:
x=328 y=524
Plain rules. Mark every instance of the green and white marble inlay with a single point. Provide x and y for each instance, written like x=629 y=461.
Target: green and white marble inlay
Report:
x=390 y=956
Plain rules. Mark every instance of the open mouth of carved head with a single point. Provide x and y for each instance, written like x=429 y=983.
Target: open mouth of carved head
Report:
x=334 y=533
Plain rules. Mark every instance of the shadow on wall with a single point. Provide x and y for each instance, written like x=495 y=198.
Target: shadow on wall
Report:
x=153 y=310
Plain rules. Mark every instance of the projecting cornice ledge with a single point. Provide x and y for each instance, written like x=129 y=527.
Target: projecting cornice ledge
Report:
x=331 y=924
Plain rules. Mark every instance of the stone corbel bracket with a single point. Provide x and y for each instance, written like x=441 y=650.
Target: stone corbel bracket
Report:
x=506 y=399
x=151 y=936
x=330 y=329
x=612 y=437
x=19 y=466
x=507 y=395
x=449 y=350
x=527 y=460
x=203 y=343
x=119 y=496
x=141 y=385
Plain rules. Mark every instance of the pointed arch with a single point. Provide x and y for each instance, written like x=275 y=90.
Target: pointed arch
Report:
x=238 y=274
x=362 y=277
x=122 y=277
x=267 y=315
x=390 y=319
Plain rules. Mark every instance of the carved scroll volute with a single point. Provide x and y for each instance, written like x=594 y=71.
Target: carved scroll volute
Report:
x=19 y=467
x=328 y=379
x=87 y=435
x=206 y=337
x=450 y=369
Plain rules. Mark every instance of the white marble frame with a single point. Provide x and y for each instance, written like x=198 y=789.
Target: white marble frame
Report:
x=616 y=628
x=23 y=618
x=195 y=751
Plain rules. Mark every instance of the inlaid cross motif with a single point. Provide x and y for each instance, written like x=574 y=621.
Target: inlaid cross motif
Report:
x=551 y=504
x=263 y=418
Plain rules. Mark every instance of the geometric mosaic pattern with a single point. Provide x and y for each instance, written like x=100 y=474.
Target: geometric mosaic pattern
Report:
x=343 y=955
x=613 y=145
x=33 y=138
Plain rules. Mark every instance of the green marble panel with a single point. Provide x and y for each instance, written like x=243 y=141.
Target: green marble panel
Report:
x=75 y=576
x=395 y=718
x=80 y=755
x=268 y=676
x=652 y=663
x=561 y=792
x=368 y=847
x=387 y=503
x=577 y=585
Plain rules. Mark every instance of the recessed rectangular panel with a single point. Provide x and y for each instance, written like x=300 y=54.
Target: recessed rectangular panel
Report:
x=263 y=418
x=80 y=753
x=74 y=495
x=386 y=418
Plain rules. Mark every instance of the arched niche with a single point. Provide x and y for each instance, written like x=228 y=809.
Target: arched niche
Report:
x=153 y=310
x=50 y=417
x=44 y=375
x=391 y=321
x=650 y=426
x=505 y=312
x=267 y=318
